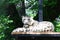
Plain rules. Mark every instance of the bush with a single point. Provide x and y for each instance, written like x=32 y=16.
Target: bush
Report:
x=57 y=24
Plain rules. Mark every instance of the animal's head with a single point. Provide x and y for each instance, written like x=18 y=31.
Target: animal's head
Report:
x=27 y=20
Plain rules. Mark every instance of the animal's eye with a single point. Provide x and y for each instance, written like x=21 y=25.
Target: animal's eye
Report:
x=24 y=19
x=28 y=19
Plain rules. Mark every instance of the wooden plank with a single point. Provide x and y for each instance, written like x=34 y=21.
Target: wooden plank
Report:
x=35 y=33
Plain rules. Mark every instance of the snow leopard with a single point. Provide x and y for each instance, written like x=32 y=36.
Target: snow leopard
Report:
x=32 y=25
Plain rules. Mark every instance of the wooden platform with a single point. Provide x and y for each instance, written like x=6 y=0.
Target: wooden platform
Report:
x=35 y=34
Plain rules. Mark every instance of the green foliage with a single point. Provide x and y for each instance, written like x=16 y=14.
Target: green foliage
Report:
x=5 y=23
x=31 y=7
x=14 y=1
x=31 y=13
x=57 y=24
x=51 y=3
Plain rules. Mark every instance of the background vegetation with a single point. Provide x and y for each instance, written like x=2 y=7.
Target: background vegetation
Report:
x=12 y=10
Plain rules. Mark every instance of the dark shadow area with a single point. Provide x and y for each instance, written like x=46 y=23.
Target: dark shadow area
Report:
x=50 y=13
x=17 y=21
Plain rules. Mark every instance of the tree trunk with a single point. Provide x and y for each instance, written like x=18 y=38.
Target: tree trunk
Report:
x=40 y=14
x=21 y=11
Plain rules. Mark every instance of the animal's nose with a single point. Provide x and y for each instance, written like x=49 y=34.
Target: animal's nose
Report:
x=25 y=22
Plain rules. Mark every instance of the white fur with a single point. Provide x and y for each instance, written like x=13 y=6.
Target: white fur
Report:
x=19 y=30
x=37 y=26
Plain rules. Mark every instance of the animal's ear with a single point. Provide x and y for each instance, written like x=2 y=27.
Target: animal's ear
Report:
x=32 y=17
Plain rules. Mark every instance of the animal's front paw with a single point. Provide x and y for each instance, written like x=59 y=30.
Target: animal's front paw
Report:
x=32 y=29
x=19 y=30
